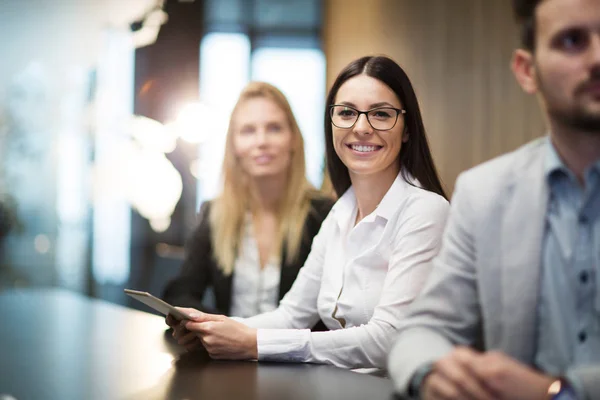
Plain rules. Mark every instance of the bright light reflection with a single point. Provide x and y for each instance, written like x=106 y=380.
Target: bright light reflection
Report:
x=146 y=178
x=152 y=135
x=156 y=368
x=154 y=185
x=196 y=122
x=160 y=224
x=194 y=165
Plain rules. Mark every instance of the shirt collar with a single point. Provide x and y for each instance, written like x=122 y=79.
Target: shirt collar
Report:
x=346 y=204
x=555 y=167
x=399 y=189
x=553 y=163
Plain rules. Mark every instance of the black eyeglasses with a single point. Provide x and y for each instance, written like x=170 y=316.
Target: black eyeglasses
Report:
x=380 y=118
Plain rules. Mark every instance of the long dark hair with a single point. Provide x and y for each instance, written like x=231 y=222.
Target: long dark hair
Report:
x=415 y=156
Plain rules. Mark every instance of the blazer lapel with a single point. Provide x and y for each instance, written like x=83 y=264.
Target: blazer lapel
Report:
x=288 y=273
x=521 y=247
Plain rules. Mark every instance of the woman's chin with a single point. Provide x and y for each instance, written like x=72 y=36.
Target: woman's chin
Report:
x=372 y=169
x=364 y=168
x=265 y=173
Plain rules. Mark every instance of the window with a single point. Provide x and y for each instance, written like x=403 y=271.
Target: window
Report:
x=275 y=41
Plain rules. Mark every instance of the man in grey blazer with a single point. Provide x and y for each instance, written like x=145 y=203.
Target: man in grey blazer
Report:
x=512 y=306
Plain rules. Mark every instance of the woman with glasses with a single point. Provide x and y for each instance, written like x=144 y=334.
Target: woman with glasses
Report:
x=252 y=240
x=374 y=250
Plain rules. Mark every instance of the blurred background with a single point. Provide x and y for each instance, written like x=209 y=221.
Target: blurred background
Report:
x=113 y=113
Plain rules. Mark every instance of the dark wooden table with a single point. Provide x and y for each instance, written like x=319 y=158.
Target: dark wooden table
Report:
x=56 y=344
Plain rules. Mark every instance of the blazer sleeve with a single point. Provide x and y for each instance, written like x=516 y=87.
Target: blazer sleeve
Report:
x=446 y=313
x=320 y=208
x=187 y=289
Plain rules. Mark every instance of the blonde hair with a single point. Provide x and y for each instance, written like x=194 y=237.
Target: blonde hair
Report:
x=228 y=211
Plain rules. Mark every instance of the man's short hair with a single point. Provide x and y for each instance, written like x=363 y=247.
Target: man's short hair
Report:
x=525 y=14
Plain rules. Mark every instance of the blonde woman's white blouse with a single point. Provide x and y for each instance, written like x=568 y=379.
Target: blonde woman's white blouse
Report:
x=255 y=290
x=358 y=279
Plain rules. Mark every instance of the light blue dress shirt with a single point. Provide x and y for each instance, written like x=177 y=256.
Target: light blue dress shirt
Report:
x=569 y=307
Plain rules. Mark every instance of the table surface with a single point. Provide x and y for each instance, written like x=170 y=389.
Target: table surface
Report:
x=56 y=344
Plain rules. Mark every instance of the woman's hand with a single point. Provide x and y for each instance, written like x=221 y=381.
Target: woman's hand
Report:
x=188 y=339
x=224 y=338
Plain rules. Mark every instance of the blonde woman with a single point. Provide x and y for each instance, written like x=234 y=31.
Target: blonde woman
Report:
x=254 y=237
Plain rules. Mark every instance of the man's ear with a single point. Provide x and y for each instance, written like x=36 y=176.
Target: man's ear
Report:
x=523 y=67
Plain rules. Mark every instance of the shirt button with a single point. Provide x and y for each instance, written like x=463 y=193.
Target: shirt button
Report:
x=582 y=336
x=583 y=277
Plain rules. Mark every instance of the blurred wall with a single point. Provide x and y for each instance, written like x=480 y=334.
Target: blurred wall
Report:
x=457 y=54
x=49 y=49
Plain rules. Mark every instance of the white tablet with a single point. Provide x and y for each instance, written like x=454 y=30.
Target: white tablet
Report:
x=157 y=304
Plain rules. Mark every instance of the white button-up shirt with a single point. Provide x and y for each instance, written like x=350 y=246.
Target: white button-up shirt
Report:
x=255 y=289
x=359 y=280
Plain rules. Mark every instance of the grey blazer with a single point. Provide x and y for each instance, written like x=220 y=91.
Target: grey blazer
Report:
x=483 y=289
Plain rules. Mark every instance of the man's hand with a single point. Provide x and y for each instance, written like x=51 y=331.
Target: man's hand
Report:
x=509 y=378
x=452 y=377
x=467 y=374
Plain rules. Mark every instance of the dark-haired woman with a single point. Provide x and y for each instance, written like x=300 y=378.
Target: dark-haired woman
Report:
x=374 y=250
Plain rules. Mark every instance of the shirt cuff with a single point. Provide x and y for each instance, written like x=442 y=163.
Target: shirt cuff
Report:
x=291 y=345
x=416 y=381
